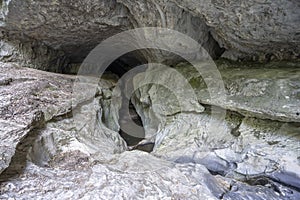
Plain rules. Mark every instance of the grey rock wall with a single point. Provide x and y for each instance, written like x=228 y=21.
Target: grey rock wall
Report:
x=66 y=154
x=33 y=54
x=251 y=29
x=246 y=29
x=30 y=99
x=74 y=27
x=51 y=152
x=242 y=146
x=253 y=133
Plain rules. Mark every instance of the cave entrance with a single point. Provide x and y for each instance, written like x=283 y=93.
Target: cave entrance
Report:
x=131 y=140
x=120 y=67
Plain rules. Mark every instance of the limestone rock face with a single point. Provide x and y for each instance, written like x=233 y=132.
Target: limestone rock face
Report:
x=58 y=144
x=31 y=98
x=28 y=99
x=269 y=91
x=70 y=150
x=130 y=175
x=230 y=131
x=260 y=30
x=73 y=27
x=64 y=32
x=253 y=132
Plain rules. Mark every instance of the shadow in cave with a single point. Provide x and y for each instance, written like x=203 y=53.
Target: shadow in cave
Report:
x=120 y=67
x=19 y=160
x=131 y=140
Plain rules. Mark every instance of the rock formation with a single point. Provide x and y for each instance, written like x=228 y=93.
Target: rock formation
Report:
x=50 y=35
x=60 y=134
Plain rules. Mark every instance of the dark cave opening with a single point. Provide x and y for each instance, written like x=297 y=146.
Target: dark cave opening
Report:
x=120 y=67
x=131 y=140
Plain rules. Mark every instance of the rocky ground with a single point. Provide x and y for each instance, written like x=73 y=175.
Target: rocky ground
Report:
x=224 y=130
x=52 y=147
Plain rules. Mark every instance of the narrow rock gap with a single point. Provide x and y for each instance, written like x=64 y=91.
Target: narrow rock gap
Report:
x=120 y=67
x=131 y=140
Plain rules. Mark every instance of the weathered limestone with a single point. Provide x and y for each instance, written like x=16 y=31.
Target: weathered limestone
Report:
x=242 y=144
x=269 y=91
x=31 y=98
x=53 y=152
x=259 y=135
x=33 y=54
x=73 y=154
x=130 y=175
x=69 y=30
x=251 y=29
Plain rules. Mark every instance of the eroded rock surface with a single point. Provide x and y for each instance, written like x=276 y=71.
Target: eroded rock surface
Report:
x=74 y=155
x=269 y=91
x=50 y=35
x=71 y=148
x=258 y=137
x=240 y=144
x=28 y=99
x=261 y=30
x=31 y=98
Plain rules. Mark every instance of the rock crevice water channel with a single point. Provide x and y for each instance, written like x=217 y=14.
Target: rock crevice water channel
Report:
x=61 y=134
